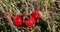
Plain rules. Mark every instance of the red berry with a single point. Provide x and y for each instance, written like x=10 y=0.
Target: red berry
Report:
x=18 y=20
x=30 y=21
x=36 y=14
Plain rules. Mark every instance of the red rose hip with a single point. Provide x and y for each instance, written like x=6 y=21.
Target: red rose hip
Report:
x=29 y=22
x=18 y=20
x=36 y=14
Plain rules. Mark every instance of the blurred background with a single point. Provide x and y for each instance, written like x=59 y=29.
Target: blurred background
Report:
x=49 y=11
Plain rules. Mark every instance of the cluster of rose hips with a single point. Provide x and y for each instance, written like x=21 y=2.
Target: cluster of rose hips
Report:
x=18 y=20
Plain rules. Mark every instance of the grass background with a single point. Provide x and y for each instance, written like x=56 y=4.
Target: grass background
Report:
x=50 y=9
